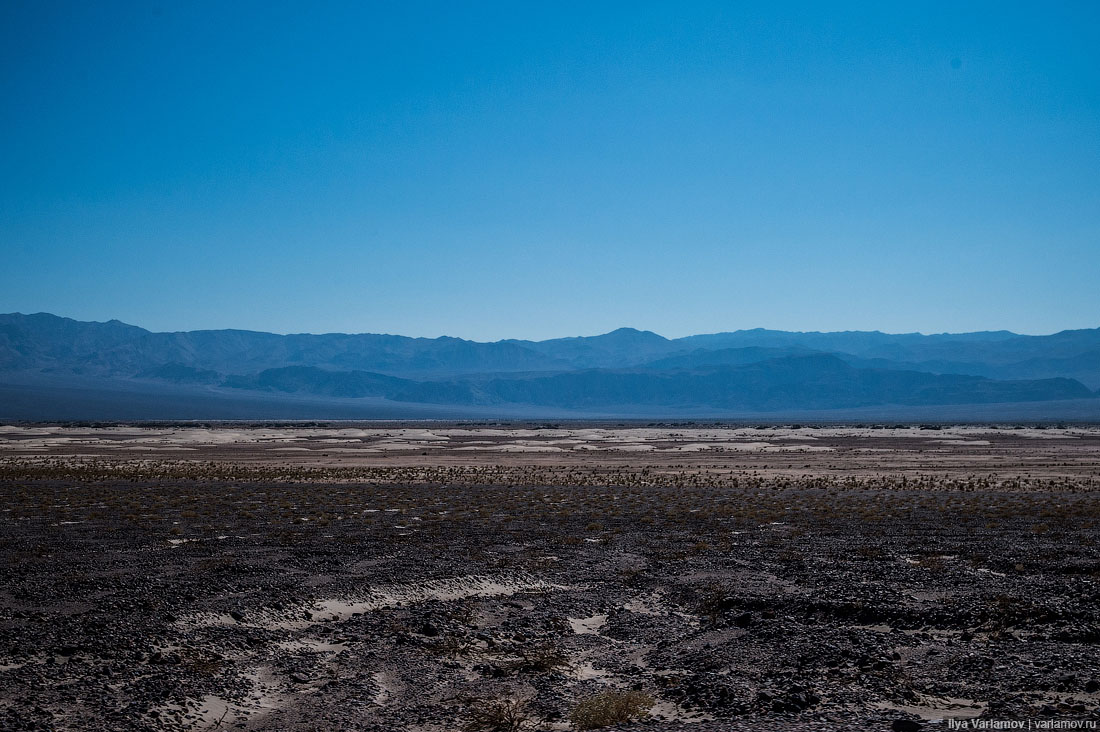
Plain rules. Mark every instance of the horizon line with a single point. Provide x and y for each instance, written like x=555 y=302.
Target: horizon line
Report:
x=594 y=335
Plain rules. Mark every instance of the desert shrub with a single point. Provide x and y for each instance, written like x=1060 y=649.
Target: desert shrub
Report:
x=714 y=602
x=201 y=662
x=541 y=659
x=610 y=707
x=498 y=715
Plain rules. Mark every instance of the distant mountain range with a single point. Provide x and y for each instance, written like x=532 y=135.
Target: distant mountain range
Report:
x=47 y=361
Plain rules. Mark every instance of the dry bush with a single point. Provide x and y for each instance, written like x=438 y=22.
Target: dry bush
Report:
x=541 y=659
x=610 y=707
x=205 y=663
x=499 y=715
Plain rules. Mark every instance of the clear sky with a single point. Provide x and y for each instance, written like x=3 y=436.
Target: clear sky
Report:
x=546 y=169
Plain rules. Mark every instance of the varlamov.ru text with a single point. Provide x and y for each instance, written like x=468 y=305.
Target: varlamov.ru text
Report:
x=971 y=724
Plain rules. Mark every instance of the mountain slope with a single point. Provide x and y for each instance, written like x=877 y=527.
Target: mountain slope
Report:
x=112 y=349
x=1001 y=346
x=627 y=369
x=817 y=381
x=803 y=382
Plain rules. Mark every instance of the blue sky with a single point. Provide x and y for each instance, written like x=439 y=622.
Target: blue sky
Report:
x=540 y=170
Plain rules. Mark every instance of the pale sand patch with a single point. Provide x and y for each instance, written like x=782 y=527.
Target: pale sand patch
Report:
x=11 y=429
x=529 y=448
x=212 y=712
x=798 y=448
x=728 y=446
x=988 y=572
x=312 y=645
x=585 y=671
x=653 y=604
x=665 y=711
x=616 y=448
x=395 y=445
x=588 y=626
x=388 y=687
x=421 y=435
x=377 y=598
x=508 y=447
x=347 y=450
x=939 y=708
x=157 y=448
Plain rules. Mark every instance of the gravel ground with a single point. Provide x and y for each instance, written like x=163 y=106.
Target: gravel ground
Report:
x=922 y=579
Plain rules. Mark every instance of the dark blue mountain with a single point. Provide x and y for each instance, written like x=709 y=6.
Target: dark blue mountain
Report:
x=627 y=369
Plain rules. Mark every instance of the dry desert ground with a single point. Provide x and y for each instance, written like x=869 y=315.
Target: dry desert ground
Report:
x=444 y=576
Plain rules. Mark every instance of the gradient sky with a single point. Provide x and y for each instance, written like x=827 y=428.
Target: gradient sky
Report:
x=538 y=170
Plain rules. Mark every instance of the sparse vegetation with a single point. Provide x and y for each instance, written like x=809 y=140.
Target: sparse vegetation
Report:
x=541 y=659
x=610 y=707
x=499 y=715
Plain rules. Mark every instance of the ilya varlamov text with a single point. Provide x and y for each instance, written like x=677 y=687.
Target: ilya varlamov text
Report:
x=1021 y=724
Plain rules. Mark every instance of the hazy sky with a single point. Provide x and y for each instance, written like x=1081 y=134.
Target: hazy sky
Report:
x=544 y=169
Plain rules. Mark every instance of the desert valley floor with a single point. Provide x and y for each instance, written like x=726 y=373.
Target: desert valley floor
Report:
x=444 y=576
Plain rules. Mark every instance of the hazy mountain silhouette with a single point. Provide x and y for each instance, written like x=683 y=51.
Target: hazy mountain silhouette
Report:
x=113 y=349
x=624 y=370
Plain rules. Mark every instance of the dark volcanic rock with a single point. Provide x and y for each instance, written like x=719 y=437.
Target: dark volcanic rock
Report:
x=796 y=599
x=906 y=725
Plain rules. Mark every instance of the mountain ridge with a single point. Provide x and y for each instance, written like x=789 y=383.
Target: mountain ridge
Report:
x=755 y=370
